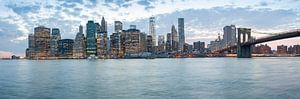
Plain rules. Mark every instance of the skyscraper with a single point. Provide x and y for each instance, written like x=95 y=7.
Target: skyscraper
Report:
x=161 y=43
x=152 y=30
x=91 y=38
x=181 y=33
x=118 y=26
x=79 y=44
x=30 y=49
x=169 y=42
x=132 y=27
x=131 y=41
x=65 y=48
x=149 y=45
x=174 y=39
x=199 y=46
x=55 y=36
x=115 y=44
x=102 y=39
x=103 y=25
x=41 y=42
x=229 y=36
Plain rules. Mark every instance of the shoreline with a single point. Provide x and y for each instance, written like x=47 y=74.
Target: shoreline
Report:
x=225 y=56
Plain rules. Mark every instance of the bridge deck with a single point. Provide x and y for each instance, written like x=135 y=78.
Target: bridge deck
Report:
x=283 y=35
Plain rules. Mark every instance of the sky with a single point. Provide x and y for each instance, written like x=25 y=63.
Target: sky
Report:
x=204 y=19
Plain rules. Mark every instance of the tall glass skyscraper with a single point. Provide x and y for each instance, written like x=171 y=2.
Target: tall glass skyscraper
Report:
x=152 y=30
x=169 y=42
x=181 y=33
x=174 y=39
x=91 y=38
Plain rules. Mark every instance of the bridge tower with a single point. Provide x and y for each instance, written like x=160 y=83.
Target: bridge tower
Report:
x=244 y=35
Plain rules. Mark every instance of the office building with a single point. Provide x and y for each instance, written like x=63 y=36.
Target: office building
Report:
x=262 y=49
x=91 y=48
x=115 y=44
x=169 y=42
x=175 y=39
x=229 y=36
x=282 y=49
x=41 y=42
x=161 y=43
x=152 y=31
x=65 y=48
x=55 y=36
x=181 y=33
x=199 y=46
x=118 y=26
x=149 y=46
x=79 y=44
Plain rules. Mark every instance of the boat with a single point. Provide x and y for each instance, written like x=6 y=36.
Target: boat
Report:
x=92 y=57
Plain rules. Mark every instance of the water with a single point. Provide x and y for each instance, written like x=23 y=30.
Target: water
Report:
x=228 y=78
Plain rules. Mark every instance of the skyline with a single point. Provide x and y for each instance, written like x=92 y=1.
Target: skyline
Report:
x=201 y=23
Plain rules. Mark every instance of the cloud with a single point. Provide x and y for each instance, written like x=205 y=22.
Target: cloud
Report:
x=23 y=9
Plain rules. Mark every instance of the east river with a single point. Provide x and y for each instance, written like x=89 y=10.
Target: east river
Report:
x=187 y=78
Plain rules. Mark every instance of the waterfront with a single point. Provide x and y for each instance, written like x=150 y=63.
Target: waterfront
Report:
x=230 y=78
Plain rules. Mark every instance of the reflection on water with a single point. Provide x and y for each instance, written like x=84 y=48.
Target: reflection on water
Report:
x=158 y=78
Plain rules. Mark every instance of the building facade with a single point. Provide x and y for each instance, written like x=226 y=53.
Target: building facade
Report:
x=132 y=41
x=30 y=49
x=175 y=39
x=91 y=48
x=262 y=49
x=181 y=33
x=79 y=44
x=229 y=36
x=41 y=42
x=118 y=26
x=169 y=42
x=161 y=44
x=199 y=46
x=65 y=48
x=115 y=44
x=152 y=31
x=55 y=36
x=149 y=46
x=282 y=49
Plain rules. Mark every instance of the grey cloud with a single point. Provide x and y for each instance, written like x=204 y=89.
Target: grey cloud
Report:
x=72 y=1
x=68 y=5
x=23 y=9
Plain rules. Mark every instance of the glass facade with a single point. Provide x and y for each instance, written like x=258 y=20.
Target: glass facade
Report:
x=91 y=38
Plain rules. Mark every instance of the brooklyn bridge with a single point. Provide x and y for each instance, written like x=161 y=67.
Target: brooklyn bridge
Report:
x=245 y=42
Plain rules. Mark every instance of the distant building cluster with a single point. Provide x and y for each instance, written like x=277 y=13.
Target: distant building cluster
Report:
x=46 y=43
x=94 y=41
x=229 y=39
x=262 y=49
x=280 y=50
x=283 y=49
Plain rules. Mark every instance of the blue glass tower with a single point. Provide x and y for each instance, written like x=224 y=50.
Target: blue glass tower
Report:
x=91 y=48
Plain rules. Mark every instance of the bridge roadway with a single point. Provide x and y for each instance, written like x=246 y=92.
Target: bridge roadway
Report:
x=279 y=36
